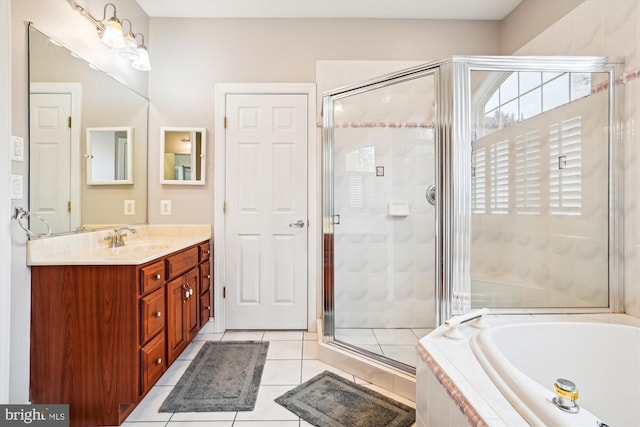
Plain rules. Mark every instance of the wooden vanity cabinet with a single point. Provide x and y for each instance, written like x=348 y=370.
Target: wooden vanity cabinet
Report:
x=101 y=336
x=85 y=341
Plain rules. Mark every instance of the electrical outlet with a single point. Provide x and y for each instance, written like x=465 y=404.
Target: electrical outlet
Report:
x=129 y=207
x=165 y=207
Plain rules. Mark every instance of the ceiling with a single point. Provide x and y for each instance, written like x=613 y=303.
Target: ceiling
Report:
x=393 y=9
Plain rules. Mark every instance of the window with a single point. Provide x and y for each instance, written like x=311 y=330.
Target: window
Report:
x=565 y=167
x=527 y=173
x=499 y=177
x=524 y=94
x=478 y=183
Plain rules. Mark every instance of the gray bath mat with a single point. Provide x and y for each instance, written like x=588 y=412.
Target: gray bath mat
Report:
x=223 y=377
x=328 y=400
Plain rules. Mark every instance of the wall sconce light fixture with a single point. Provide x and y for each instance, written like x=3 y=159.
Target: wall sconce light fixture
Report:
x=112 y=35
x=142 y=61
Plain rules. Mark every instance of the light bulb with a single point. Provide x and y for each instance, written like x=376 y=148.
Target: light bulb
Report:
x=112 y=35
x=142 y=63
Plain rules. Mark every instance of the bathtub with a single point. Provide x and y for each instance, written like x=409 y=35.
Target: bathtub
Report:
x=524 y=360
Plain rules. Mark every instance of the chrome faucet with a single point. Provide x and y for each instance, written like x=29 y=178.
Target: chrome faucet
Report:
x=117 y=239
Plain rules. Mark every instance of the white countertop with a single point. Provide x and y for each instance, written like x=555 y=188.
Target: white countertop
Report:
x=148 y=243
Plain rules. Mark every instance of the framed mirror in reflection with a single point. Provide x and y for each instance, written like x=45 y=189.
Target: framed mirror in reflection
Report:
x=109 y=156
x=182 y=156
x=68 y=98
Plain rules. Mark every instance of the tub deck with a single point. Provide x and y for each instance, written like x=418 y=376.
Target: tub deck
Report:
x=448 y=370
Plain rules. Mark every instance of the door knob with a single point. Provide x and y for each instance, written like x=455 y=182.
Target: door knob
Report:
x=299 y=223
x=431 y=195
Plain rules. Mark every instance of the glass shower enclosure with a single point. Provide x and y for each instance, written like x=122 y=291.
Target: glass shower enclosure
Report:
x=470 y=182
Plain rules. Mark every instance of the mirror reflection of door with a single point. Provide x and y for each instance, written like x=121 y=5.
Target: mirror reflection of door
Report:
x=50 y=194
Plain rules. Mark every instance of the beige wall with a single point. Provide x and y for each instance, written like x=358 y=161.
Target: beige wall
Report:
x=57 y=19
x=529 y=19
x=192 y=55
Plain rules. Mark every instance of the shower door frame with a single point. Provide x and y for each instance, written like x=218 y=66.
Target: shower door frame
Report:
x=443 y=203
x=613 y=67
x=452 y=136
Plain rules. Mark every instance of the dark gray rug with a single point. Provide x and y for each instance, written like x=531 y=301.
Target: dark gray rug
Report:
x=224 y=376
x=328 y=400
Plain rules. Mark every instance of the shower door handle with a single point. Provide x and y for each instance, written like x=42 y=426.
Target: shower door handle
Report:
x=299 y=224
x=431 y=194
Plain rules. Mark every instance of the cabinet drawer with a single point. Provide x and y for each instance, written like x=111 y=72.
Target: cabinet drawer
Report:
x=151 y=277
x=205 y=308
x=205 y=277
x=205 y=251
x=153 y=362
x=182 y=261
x=152 y=314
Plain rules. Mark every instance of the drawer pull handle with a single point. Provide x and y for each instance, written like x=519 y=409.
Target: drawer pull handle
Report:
x=209 y=307
x=158 y=314
x=208 y=252
x=157 y=277
x=208 y=276
x=159 y=361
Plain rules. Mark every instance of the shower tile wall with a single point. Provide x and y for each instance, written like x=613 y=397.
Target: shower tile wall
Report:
x=384 y=269
x=610 y=28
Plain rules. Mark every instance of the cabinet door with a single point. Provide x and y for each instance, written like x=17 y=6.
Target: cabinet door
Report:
x=152 y=314
x=205 y=308
x=205 y=277
x=176 y=310
x=152 y=361
x=192 y=279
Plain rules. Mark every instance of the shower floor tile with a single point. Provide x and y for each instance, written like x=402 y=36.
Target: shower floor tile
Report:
x=395 y=337
x=397 y=343
x=356 y=336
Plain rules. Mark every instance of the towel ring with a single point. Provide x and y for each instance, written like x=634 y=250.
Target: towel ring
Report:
x=21 y=214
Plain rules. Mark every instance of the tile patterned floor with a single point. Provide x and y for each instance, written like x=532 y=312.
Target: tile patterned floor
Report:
x=397 y=344
x=291 y=360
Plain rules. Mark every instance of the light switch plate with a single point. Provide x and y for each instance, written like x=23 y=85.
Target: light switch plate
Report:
x=16 y=187
x=165 y=207
x=17 y=148
x=129 y=207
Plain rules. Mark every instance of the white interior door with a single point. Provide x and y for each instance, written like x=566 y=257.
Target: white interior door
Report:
x=50 y=152
x=266 y=211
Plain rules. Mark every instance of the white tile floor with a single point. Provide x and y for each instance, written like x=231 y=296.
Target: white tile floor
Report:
x=291 y=360
x=396 y=344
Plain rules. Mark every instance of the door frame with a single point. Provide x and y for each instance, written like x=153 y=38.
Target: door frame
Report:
x=75 y=90
x=219 y=188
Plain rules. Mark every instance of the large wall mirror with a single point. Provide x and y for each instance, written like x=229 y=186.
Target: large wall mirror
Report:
x=109 y=156
x=182 y=156
x=68 y=97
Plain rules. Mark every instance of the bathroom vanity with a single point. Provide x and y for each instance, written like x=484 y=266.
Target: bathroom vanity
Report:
x=108 y=322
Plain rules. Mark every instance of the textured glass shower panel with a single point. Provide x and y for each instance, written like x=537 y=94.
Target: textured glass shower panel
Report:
x=540 y=189
x=384 y=241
